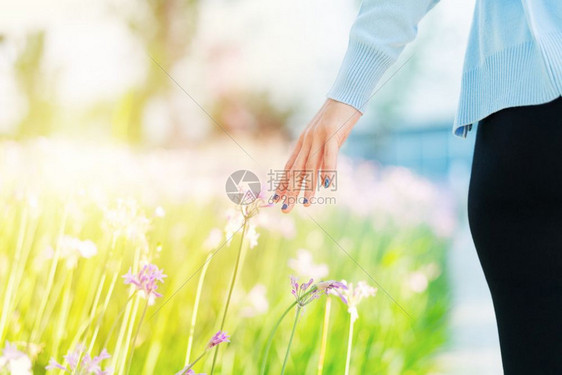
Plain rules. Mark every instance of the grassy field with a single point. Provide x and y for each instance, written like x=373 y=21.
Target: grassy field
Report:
x=74 y=219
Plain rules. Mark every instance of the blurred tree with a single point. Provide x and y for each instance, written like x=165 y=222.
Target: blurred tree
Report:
x=165 y=29
x=36 y=87
x=250 y=113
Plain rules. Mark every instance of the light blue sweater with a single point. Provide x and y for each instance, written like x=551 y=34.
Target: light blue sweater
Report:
x=514 y=54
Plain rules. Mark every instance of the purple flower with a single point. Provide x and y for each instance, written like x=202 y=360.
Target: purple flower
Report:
x=297 y=288
x=146 y=281
x=332 y=287
x=301 y=291
x=53 y=364
x=305 y=294
x=73 y=358
x=186 y=371
x=294 y=286
x=218 y=338
x=81 y=362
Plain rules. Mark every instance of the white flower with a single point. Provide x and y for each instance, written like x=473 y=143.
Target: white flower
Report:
x=16 y=362
x=159 y=212
x=213 y=240
x=417 y=281
x=304 y=266
x=71 y=249
x=234 y=224
x=431 y=270
x=256 y=302
x=252 y=236
x=284 y=225
x=354 y=295
x=127 y=220
x=86 y=249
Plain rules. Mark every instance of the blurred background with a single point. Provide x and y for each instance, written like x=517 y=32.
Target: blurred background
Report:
x=199 y=89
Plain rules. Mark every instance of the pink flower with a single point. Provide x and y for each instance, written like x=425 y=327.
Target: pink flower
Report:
x=146 y=280
x=218 y=338
x=81 y=362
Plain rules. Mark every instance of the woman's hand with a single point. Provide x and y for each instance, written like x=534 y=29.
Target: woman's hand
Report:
x=316 y=151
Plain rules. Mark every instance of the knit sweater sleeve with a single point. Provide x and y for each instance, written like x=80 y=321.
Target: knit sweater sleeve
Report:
x=379 y=34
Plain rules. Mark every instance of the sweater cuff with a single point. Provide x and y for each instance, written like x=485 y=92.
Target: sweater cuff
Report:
x=361 y=70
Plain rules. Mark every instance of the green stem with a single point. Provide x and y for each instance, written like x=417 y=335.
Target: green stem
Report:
x=114 y=325
x=188 y=366
x=12 y=282
x=323 y=344
x=63 y=314
x=291 y=339
x=128 y=310
x=135 y=337
x=108 y=295
x=128 y=336
x=232 y=282
x=274 y=329
x=35 y=335
x=196 y=308
x=270 y=338
x=349 y=344
x=92 y=315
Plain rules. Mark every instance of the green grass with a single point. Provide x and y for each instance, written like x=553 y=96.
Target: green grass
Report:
x=47 y=305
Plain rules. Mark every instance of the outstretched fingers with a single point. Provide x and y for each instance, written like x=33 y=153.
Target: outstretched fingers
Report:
x=296 y=176
x=329 y=165
x=313 y=165
x=283 y=185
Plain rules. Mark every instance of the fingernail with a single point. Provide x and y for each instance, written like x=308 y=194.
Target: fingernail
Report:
x=275 y=198
x=284 y=206
x=326 y=182
x=305 y=201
